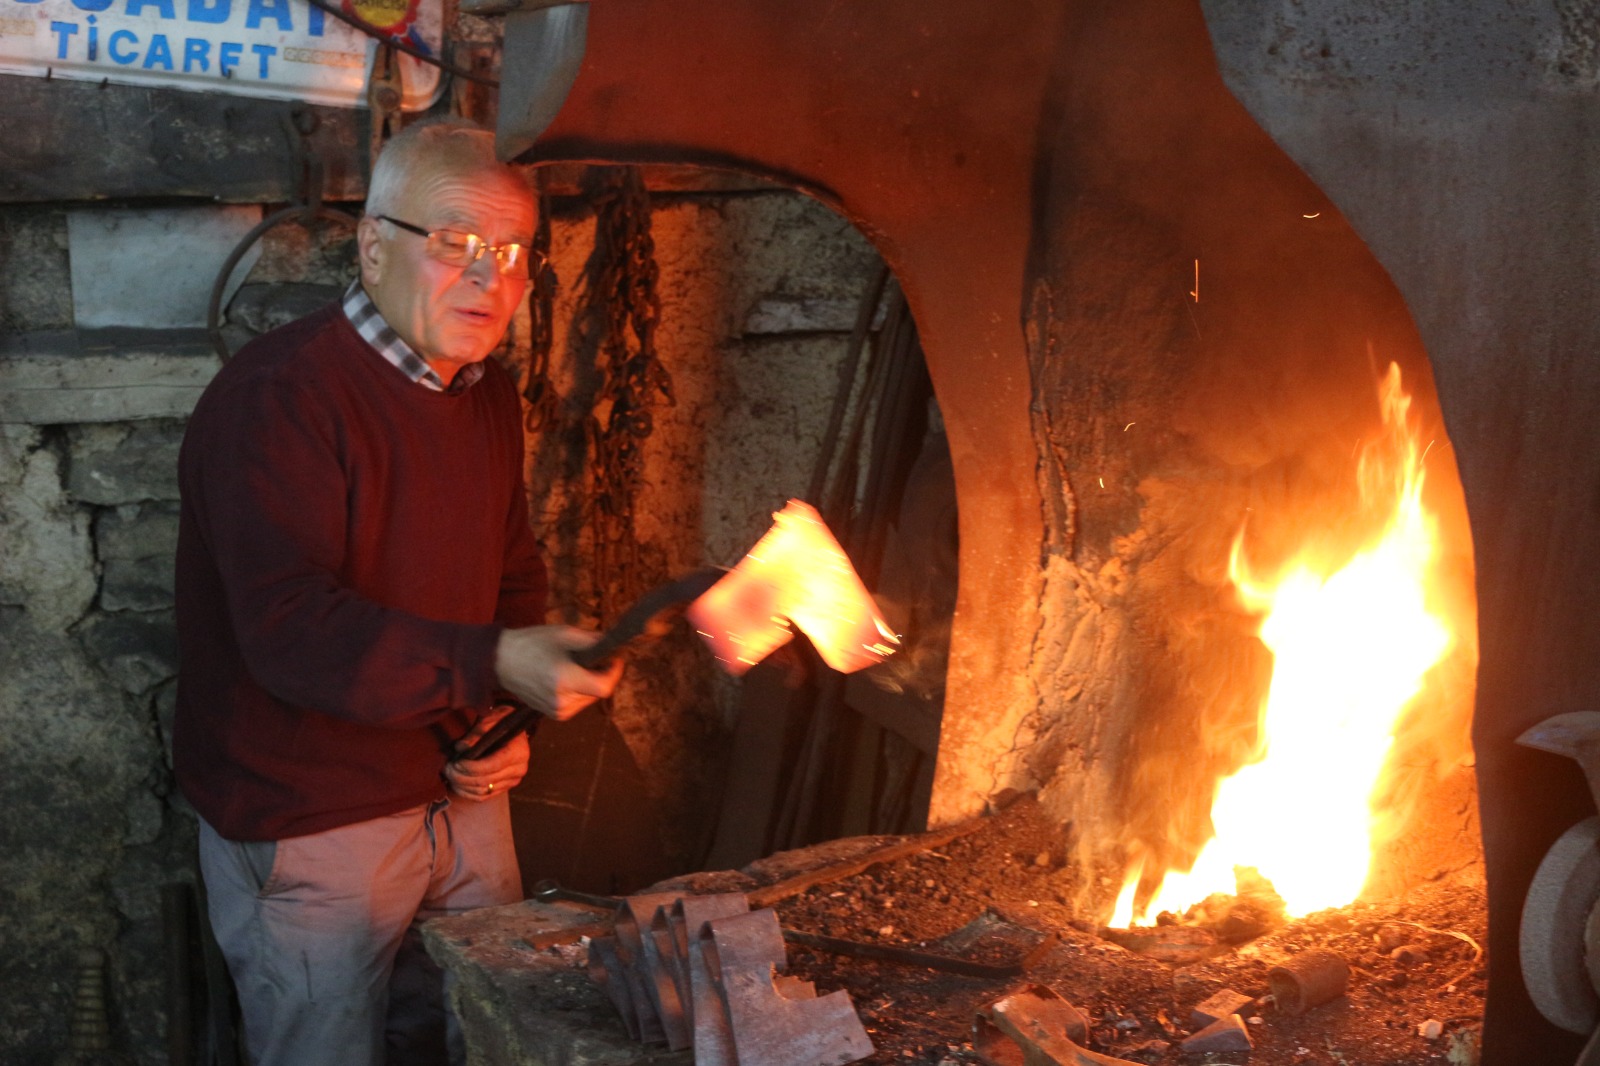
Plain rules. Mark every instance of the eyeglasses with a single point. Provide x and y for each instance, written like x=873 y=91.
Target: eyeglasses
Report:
x=459 y=249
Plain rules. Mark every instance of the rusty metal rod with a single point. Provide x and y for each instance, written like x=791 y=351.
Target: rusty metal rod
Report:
x=901 y=956
x=767 y=895
x=548 y=891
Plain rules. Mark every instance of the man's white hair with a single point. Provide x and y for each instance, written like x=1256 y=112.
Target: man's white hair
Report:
x=453 y=145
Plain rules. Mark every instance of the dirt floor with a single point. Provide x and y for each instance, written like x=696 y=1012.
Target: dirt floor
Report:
x=1004 y=892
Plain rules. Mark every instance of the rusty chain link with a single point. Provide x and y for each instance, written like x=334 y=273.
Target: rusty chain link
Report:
x=633 y=380
x=543 y=402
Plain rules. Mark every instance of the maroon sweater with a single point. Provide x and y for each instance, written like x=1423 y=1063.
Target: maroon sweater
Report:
x=350 y=545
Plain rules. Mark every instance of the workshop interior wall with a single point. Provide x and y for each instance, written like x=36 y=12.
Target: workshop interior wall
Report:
x=762 y=285
x=91 y=827
x=759 y=289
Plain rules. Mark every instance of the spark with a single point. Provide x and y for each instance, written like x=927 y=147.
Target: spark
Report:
x=1195 y=292
x=1102 y=482
x=1313 y=214
x=1129 y=426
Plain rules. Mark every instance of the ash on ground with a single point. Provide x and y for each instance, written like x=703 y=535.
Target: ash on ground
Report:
x=1005 y=892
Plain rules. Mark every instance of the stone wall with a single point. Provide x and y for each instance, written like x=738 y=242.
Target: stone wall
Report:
x=89 y=432
x=87 y=658
x=758 y=289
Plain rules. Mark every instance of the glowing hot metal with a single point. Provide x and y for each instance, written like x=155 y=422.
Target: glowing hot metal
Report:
x=798 y=574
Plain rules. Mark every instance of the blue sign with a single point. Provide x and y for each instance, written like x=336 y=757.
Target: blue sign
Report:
x=283 y=49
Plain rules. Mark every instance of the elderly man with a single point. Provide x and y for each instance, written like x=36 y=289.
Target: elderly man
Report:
x=358 y=586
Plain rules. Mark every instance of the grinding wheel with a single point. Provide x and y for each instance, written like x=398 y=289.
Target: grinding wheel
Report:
x=1591 y=946
x=1555 y=921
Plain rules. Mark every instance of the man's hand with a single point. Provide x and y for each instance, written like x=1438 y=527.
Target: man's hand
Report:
x=499 y=772
x=533 y=665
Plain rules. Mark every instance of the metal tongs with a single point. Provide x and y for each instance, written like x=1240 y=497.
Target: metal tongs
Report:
x=632 y=623
x=796 y=577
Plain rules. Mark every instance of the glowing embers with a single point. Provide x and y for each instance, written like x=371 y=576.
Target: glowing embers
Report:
x=796 y=573
x=1350 y=647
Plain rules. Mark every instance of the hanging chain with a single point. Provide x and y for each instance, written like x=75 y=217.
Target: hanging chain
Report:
x=633 y=380
x=543 y=402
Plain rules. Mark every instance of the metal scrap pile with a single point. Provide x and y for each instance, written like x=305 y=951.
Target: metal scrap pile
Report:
x=705 y=972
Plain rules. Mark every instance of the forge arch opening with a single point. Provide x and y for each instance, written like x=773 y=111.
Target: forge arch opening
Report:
x=760 y=288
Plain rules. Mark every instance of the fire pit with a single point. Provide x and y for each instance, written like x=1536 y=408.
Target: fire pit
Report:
x=1231 y=887
x=994 y=893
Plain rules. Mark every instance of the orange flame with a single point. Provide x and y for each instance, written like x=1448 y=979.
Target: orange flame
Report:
x=1350 y=651
x=796 y=573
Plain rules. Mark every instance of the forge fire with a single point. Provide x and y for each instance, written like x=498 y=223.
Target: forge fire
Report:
x=1353 y=639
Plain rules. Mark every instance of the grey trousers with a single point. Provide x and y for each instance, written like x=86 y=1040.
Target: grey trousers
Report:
x=319 y=931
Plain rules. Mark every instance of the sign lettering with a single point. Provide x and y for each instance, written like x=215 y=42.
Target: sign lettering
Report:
x=284 y=49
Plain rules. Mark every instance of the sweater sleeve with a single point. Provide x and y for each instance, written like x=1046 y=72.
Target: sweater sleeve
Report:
x=268 y=476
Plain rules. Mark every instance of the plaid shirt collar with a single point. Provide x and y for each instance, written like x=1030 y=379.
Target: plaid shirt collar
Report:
x=363 y=315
